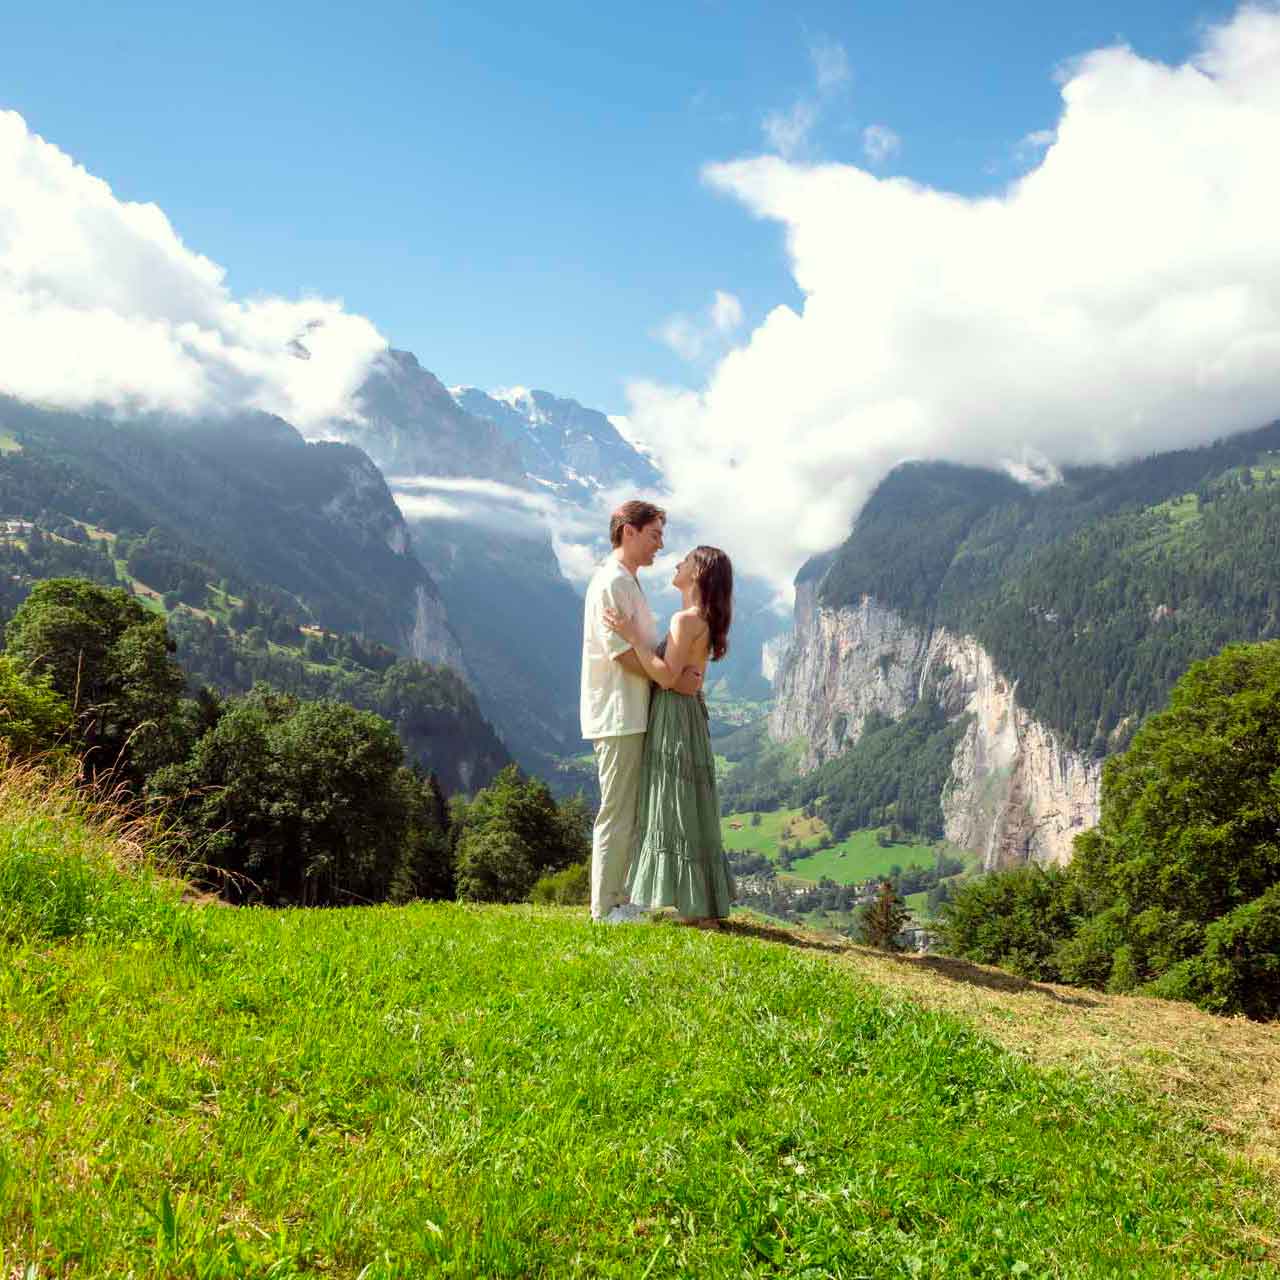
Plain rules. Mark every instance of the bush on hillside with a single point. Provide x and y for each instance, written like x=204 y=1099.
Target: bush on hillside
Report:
x=110 y=659
x=34 y=717
x=512 y=833
x=569 y=887
x=308 y=803
x=1014 y=919
x=1186 y=857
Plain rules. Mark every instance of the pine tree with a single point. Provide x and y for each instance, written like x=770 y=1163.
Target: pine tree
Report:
x=883 y=919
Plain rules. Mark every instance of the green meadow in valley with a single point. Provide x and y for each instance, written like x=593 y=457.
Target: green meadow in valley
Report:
x=854 y=859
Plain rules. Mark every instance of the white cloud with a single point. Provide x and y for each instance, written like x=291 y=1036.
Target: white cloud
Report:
x=726 y=312
x=1122 y=296
x=1033 y=469
x=879 y=142
x=693 y=338
x=101 y=304
x=787 y=132
x=578 y=536
x=830 y=66
x=1030 y=148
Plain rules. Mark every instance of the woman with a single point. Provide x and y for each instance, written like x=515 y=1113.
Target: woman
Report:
x=679 y=859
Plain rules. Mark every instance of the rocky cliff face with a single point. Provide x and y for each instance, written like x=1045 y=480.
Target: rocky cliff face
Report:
x=430 y=638
x=1016 y=794
x=365 y=508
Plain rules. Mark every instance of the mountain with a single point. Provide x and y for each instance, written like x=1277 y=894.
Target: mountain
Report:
x=410 y=425
x=572 y=451
x=242 y=509
x=577 y=455
x=488 y=551
x=1042 y=624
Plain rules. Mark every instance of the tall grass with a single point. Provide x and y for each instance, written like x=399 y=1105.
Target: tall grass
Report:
x=72 y=865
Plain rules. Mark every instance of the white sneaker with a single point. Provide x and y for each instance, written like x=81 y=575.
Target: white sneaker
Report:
x=627 y=913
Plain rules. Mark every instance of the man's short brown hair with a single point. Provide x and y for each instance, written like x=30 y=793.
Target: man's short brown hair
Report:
x=635 y=513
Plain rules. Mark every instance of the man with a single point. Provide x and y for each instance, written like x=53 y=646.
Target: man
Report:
x=615 y=695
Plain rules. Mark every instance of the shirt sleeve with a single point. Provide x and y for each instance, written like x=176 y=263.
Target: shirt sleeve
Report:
x=621 y=597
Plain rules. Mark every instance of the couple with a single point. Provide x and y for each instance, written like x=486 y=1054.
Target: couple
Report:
x=656 y=841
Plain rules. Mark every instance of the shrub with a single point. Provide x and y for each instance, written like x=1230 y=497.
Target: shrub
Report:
x=495 y=864
x=1016 y=919
x=883 y=919
x=1186 y=859
x=1086 y=959
x=1239 y=969
x=570 y=887
x=34 y=717
x=512 y=833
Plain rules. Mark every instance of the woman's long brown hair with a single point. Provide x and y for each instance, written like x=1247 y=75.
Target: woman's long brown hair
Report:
x=714 y=574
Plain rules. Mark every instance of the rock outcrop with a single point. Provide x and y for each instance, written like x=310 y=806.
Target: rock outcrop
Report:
x=1016 y=793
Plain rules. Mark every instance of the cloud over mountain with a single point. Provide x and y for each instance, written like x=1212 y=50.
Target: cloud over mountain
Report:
x=101 y=304
x=1122 y=296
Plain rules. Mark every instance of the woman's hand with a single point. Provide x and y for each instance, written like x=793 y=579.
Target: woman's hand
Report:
x=627 y=628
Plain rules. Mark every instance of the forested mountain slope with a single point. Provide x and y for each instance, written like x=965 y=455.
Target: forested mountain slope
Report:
x=246 y=497
x=1094 y=594
x=250 y=535
x=1043 y=624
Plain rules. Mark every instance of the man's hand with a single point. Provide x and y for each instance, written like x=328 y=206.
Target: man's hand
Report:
x=629 y=662
x=690 y=682
x=627 y=627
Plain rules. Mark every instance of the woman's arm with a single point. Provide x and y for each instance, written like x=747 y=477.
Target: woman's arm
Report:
x=666 y=671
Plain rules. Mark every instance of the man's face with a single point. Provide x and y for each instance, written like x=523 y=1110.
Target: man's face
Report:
x=648 y=542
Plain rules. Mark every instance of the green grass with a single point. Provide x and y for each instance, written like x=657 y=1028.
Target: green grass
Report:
x=463 y=1091
x=858 y=857
x=514 y=1092
x=759 y=839
x=70 y=868
x=9 y=443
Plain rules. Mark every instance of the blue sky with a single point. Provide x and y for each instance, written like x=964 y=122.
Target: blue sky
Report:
x=514 y=192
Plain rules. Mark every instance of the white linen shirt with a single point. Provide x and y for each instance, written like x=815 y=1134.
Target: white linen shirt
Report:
x=615 y=701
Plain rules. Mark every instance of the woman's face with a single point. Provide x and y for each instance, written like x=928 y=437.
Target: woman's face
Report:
x=685 y=575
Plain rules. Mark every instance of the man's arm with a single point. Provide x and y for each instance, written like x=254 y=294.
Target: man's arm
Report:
x=666 y=669
x=689 y=683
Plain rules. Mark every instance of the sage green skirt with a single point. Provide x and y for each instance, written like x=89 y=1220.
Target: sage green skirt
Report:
x=679 y=858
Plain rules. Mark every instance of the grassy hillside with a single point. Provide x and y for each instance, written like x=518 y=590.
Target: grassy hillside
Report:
x=386 y=1092
x=856 y=858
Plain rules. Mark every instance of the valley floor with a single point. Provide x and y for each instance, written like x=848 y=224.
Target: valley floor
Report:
x=440 y=1089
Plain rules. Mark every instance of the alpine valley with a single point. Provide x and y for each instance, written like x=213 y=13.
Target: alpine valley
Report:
x=406 y=562
x=966 y=660
x=960 y=666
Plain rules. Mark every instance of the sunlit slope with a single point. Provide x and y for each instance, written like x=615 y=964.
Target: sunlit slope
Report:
x=510 y=1091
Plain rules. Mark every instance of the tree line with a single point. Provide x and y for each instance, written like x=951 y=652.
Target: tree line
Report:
x=268 y=797
x=1176 y=892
